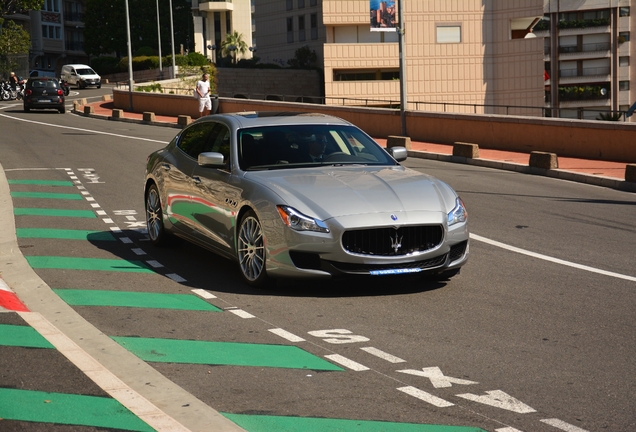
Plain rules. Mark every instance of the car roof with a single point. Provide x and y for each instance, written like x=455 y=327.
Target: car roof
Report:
x=273 y=118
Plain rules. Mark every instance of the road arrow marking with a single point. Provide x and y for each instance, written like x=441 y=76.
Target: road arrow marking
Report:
x=499 y=399
x=426 y=397
x=438 y=379
x=560 y=424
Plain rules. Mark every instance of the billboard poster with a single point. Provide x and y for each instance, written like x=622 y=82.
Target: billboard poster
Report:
x=382 y=14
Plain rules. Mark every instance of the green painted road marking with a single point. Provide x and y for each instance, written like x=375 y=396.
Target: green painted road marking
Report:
x=42 y=182
x=73 y=263
x=134 y=299
x=68 y=409
x=22 y=336
x=257 y=423
x=46 y=195
x=54 y=212
x=223 y=353
x=65 y=234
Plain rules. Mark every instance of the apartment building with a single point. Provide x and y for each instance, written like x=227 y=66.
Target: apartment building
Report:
x=587 y=57
x=56 y=34
x=215 y=19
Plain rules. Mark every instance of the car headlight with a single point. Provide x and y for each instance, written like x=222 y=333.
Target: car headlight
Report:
x=458 y=214
x=300 y=222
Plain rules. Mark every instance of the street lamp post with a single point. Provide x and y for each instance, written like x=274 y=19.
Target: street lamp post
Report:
x=402 y=67
x=174 y=64
x=159 y=37
x=130 y=68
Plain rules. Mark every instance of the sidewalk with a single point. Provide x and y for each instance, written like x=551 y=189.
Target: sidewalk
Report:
x=600 y=173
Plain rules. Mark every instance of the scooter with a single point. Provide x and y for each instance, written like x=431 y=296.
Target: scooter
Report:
x=65 y=87
x=5 y=91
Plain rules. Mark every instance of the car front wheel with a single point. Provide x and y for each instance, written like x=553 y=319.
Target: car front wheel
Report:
x=251 y=250
x=154 y=217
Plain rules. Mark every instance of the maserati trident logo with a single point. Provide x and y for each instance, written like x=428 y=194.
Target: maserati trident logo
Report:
x=396 y=243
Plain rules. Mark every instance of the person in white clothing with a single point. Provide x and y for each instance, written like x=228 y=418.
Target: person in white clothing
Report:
x=202 y=91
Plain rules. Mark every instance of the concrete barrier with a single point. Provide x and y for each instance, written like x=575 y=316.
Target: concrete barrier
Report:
x=149 y=116
x=89 y=109
x=630 y=173
x=184 y=120
x=82 y=101
x=107 y=97
x=398 y=141
x=543 y=160
x=467 y=150
x=118 y=113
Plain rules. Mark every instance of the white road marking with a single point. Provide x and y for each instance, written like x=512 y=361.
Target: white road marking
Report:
x=154 y=264
x=95 y=205
x=140 y=406
x=138 y=251
x=385 y=356
x=426 y=397
x=84 y=130
x=241 y=313
x=115 y=229
x=551 y=259
x=203 y=293
x=338 y=336
x=287 y=335
x=108 y=220
x=175 y=277
x=101 y=213
x=499 y=399
x=560 y=424
x=438 y=379
x=507 y=429
x=347 y=363
x=125 y=240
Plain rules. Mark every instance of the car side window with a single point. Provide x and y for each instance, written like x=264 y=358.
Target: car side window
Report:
x=193 y=139
x=219 y=141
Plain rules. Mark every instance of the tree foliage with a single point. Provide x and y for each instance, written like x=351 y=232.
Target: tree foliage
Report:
x=233 y=42
x=14 y=39
x=304 y=58
x=10 y=7
x=105 y=26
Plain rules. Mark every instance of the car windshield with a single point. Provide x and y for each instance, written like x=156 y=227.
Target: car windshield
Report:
x=86 y=71
x=298 y=146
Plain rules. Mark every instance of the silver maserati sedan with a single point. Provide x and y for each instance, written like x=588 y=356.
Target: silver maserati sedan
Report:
x=302 y=195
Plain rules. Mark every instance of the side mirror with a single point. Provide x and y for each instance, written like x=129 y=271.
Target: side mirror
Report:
x=399 y=153
x=211 y=159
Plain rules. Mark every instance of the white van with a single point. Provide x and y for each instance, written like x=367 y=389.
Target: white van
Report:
x=80 y=75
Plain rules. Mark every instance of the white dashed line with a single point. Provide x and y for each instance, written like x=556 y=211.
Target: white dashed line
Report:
x=241 y=313
x=175 y=277
x=287 y=335
x=203 y=293
x=388 y=357
x=125 y=240
x=153 y=263
x=138 y=251
x=560 y=424
x=346 y=362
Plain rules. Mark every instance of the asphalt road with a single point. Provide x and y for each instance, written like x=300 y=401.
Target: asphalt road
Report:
x=535 y=334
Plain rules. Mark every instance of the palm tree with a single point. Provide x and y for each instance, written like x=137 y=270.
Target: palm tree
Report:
x=233 y=42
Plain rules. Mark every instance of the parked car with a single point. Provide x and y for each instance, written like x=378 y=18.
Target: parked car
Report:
x=36 y=73
x=81 y=76
x=245 y=186
x=43 y=93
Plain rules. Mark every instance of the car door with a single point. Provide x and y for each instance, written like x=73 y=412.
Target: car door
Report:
x=176 y=174
x=215 y=197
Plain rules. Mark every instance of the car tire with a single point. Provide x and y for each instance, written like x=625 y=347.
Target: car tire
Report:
x=251 y=251
x=62 y=110
x=99 y=86
x=154 y=217
x=27 y=109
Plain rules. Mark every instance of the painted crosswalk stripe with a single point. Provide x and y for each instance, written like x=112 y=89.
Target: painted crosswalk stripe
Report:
x=74 y=263
x=287 y=335
x=77 y=297
x=66 y=234
x=346 y=362
x=67 y=409
x=41 y=182
x=22 y=336
x=223 y=353
x=47 y=195
x=89 y=214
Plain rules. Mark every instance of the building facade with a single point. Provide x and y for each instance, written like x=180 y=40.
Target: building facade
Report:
x=587 y=57
x=57 y=35
x=215 y=19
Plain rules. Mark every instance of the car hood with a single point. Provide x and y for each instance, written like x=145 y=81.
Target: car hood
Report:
x=345 y=191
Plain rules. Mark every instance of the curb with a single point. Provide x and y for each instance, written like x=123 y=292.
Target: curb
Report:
x=9 y=302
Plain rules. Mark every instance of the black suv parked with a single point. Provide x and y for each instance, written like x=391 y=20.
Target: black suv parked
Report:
x=44 y=93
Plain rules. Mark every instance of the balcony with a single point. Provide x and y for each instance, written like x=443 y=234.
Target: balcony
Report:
x=216 y=6
x=586 y=72
x=74 y=46
x=74 y=17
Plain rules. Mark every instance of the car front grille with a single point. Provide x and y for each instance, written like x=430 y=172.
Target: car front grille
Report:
x=391 y=241
x=367 y=268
